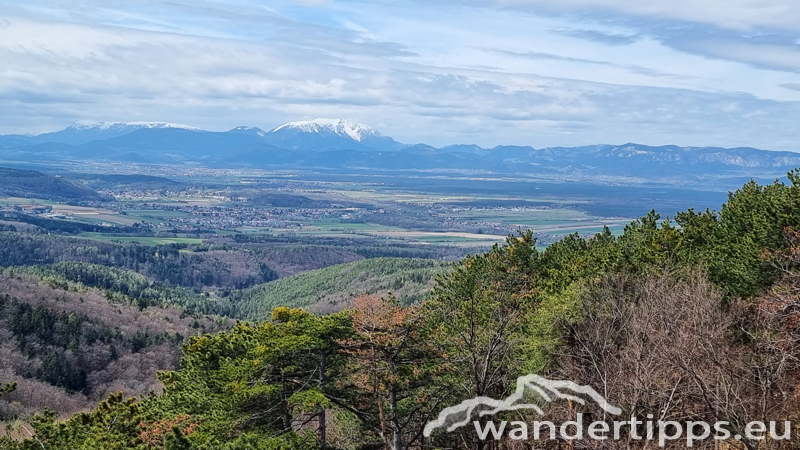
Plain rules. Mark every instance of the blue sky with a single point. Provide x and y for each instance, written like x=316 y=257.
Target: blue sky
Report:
x=530 y=72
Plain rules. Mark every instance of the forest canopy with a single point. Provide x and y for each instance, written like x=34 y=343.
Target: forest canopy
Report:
x=713 y=293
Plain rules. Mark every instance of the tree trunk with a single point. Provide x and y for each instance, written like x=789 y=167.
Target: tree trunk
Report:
x=397 y=439
x=287 y=414
x=323 y=425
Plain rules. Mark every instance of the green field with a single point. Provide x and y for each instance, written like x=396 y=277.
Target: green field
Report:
x=156 y=213
x=26 y=201
x=336 y=225
x=358 y=192
x=145 y=240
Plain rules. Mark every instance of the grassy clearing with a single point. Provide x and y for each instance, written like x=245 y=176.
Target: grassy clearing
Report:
x=156 y=213
x=104 y=218
x=144 y=240
x=434 y=198
x=26 y=201
x=334 y=225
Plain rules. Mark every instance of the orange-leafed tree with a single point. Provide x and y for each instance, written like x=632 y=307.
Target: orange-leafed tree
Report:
x=155 y=434
x=398 y=377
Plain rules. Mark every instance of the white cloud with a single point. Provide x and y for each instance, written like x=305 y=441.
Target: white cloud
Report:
x=735 y=14
x=313 y=2
x=439 y=74
x=778 y=57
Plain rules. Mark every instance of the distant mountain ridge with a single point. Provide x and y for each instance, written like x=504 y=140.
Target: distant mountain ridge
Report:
x=338 y=144
x=87 y=131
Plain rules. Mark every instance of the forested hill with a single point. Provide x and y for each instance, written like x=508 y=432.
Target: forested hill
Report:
x=68 y=345
x=127 y=286
x=80 y=319
x=209 y=266
x=202 y=267
x=692 y=317
x=333 y=288
x=32 y=184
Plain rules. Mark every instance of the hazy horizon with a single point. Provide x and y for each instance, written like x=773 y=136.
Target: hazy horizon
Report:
x=527 y=72
x=187 y=126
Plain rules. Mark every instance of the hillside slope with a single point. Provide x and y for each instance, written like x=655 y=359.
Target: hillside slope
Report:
x=127 y=286
x=33 y=184
x=68 y=345
x=332 y=288
x=206 y=268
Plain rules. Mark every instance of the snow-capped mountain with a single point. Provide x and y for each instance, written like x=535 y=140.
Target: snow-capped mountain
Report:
x=336 y=144
x=87 y=131
x=340 y=127
x=330 y=134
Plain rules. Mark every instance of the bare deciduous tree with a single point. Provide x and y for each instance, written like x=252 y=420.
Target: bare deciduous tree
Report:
x=673 y=347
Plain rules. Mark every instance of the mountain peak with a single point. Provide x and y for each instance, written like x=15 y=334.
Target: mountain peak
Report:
x=255 y=131
x=344 y=128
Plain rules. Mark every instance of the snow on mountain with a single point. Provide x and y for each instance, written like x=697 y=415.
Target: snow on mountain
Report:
x=341 y=127
x=344 y=143
x=104 y=126
x=330 y=134
x=254 y=131
x=87 y=131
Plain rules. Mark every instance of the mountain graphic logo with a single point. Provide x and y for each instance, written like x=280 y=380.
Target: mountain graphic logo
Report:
x=548 y=390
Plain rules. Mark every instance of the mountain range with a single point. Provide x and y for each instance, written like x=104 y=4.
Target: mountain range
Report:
x=343 y=144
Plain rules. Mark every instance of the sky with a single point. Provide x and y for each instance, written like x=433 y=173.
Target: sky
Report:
x=489 y=72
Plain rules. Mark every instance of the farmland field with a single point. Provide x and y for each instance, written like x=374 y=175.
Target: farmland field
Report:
x=145 y=240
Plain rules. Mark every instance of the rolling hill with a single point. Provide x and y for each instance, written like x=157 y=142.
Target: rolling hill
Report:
x=33 y=184
x=332 y=288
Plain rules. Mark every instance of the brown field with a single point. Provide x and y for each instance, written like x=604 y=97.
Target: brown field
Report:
x=419 y=234
x=82 y=212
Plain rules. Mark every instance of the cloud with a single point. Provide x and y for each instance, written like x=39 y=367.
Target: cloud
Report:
x=731 y=14
x=769 y=49
x=437 y=73
x=313 y=2
x=602 y=37
x=629 y=67
x=762 y=34
x=775 y=57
